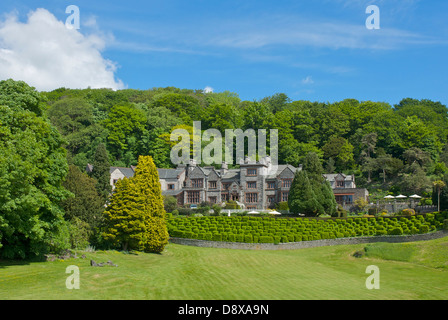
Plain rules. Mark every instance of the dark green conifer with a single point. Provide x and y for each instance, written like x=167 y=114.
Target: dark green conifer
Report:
x=101 y=172
x=302 y=198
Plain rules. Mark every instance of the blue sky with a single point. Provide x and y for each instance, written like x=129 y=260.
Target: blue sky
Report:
x=309 y=50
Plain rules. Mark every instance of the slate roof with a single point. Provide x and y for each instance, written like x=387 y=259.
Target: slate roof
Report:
x=171 y=192
x=331 y=176
x=281 y=168
x=169 y=173
x=127 y=172
x=231 y=174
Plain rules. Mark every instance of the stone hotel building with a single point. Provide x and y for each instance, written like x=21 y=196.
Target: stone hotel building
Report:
x=251 y=185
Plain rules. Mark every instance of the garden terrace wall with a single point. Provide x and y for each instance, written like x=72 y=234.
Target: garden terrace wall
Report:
x=309 y=244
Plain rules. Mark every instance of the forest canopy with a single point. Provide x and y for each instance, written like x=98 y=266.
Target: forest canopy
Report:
x=403 y=145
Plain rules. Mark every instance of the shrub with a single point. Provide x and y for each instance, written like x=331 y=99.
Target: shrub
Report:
x=248 y=238
x=384 y=213
x=325 y=235
x=216 y=209
x=445 y=224
x=424 y=229
x=282 y=206
x=239 y=238
x=407 y=212
x=232 y=205
x=395 y=231
x=266 y=239
x=80 y=233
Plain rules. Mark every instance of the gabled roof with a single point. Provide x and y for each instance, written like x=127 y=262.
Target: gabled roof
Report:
x=338 y=176
x=127 y=172
x=231 y=174
x=281 y=168
x=169 y=173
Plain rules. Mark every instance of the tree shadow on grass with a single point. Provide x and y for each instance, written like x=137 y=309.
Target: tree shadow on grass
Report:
x=10 y=263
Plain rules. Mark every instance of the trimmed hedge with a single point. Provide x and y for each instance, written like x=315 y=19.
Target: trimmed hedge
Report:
x=280 y=230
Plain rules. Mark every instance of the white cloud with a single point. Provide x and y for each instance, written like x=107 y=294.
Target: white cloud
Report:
x=308 y=80
x=47 y=55
x=208 y=90
x=300 y=32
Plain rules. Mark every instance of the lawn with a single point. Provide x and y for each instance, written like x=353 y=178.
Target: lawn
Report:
x=417 y=270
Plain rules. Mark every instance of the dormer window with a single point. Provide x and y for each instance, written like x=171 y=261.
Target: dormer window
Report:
x=339 y=183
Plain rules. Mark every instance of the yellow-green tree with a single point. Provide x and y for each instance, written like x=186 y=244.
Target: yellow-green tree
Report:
x=124 y=217
x=135 y=217
x=146 y=183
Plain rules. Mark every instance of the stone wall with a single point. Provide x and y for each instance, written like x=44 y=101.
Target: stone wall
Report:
x=309 y=244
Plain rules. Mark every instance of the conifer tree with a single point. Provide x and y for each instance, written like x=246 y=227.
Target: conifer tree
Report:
x=135 y=217
x=124 y=217
x=302 y=198
x=146 y=182
x=316 y=197
x=86 y=204
x=329 y=203
x=101 y=172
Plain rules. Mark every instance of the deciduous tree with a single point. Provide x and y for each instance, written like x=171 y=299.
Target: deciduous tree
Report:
x=32 y=167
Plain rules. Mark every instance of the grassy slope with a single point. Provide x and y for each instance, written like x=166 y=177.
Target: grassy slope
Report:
x=204 y=273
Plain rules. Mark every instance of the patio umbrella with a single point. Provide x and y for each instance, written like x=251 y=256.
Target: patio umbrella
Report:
x=274 y=212
x=415 y=196
x=253 y=212
x=389 y=197
x=401 y=197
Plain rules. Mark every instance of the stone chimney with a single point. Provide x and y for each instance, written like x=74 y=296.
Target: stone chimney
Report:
x=224 y=168
x=191 y=165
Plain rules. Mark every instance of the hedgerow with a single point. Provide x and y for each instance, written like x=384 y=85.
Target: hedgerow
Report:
x=282 y=230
